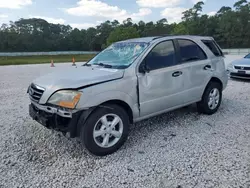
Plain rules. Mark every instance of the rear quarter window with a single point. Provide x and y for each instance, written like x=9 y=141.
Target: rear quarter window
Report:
x=213 y=47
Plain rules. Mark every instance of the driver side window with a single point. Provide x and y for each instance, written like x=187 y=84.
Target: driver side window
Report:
x=161 y=56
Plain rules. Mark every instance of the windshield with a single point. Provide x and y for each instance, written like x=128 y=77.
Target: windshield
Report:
x=247 y=56
x=119 y=55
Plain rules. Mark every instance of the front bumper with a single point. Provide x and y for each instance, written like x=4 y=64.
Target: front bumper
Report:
x=240 y=74
x=56 y=119
x=237 y=73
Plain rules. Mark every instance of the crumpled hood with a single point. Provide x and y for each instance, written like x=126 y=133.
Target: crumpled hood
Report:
x=243 y=61
x=73 y=78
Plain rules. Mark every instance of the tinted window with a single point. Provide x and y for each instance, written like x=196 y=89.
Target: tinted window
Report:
x=162 y=55
x=247 y=56
x=213 y=47
x=189 y=51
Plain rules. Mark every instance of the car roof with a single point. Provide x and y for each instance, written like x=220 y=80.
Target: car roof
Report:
x=150 y=39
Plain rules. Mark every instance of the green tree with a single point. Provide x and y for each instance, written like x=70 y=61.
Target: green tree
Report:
x=230 y=27
x=104 y=30
x=127 y=22
x=179 y=29
x=122 y=33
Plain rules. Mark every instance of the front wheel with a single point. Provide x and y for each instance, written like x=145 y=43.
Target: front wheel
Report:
x=106 y=130
x=211 y=99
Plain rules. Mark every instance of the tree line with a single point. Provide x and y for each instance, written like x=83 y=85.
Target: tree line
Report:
x=230 y=27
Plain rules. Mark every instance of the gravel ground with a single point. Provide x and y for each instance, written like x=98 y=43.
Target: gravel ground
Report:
x=180 y=149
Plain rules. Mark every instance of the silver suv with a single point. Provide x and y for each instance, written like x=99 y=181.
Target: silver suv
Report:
x=128 y=82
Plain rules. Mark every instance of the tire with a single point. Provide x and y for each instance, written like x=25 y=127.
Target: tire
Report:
x=205 y=106
x=96 y=123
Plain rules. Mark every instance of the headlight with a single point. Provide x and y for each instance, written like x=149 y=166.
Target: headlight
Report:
x=65 y=98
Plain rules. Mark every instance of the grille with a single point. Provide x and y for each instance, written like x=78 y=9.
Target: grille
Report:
x=35 y=92
x=241 y=68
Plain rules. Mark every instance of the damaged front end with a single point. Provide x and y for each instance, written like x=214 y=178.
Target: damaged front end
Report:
x=52 y=116
x=55 y=118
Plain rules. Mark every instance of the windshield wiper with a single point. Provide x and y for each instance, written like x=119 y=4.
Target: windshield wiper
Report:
x=87 y=65
x=104 y=65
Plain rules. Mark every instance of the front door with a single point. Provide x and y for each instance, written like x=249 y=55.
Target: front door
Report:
x=161 y=88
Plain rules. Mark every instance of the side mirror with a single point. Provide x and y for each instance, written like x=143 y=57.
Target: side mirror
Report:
x=143 y=68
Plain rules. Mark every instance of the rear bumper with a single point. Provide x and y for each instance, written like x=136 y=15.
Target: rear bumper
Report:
x=59 y=120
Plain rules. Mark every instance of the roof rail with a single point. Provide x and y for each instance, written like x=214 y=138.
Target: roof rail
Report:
x=169 y=35
x=165 y=35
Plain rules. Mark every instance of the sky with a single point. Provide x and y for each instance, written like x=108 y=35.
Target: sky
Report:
x=89 y=13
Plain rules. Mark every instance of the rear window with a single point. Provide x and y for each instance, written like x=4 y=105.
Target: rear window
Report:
x=213 y=47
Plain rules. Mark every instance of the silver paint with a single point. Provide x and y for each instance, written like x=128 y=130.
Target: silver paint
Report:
x=158 y=91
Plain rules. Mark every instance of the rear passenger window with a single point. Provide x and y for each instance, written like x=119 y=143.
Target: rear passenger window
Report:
x=213 y=47
x=189 y=51
x=161 y=56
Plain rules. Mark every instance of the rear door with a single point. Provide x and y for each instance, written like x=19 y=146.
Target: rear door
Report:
x=197 y=69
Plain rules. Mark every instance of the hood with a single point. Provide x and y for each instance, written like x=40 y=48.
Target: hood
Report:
x=243 y=61
x=73 y=78
x=77 y=77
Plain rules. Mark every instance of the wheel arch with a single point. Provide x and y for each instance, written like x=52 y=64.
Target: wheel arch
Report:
x=213 y=79
x=217 y=80
x=85 y=114
x=122 y=104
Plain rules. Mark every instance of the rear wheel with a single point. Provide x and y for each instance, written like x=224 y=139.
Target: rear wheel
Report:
x=106 y=130
x=211 y=99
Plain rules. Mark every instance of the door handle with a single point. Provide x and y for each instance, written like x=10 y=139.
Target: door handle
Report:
x=177 y=73
x=208 y=67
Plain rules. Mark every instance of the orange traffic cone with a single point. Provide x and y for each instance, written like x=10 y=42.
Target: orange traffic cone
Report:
x=52 y=63
x=73 y=61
